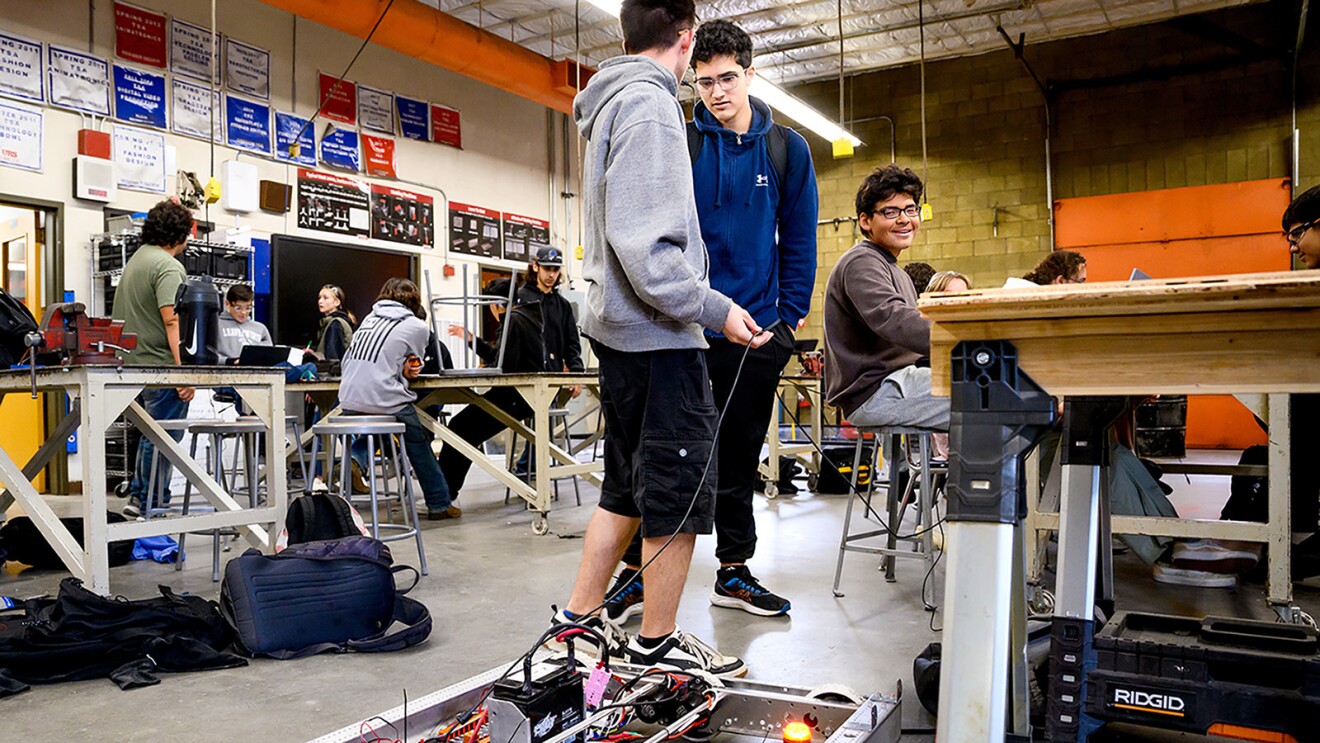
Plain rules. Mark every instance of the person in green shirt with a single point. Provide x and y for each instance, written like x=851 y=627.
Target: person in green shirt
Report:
x=144 y=300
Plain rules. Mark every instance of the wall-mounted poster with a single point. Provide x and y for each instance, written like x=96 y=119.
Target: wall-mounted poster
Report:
x=338 y=99
x=247 y=69
x=474 y=230
x=288 y=127
x=446 y=126
x=21 y=69
x=193 y=106
x=375 y=109
x=78 y=81
x=339 y=149
x=402 y=216
x=329 y=202
x=139 y=97
x=190 y=50
x=139 y=159
x=523 y=236
x=414 y=118
x=20 y=136
x=247 y=125
x=378 y=156
x=139 y=35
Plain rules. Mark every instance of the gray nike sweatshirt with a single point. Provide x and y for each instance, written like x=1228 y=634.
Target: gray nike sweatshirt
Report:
x=372 y=379
x=643 y=258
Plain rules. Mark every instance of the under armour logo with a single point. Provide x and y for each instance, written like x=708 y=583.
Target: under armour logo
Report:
x=762 y=179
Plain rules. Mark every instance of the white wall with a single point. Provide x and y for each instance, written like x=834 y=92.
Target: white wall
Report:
x=503 y=164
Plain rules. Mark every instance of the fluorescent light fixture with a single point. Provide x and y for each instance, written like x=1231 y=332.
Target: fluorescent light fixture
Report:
x=774 y=96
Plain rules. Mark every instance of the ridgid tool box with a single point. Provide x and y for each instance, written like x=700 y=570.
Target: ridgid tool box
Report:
x=1236 y=678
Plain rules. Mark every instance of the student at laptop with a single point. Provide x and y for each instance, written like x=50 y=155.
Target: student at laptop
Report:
x=237 y=328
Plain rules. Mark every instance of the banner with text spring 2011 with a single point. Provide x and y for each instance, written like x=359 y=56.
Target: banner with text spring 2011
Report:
x=78 y=81
x=22 y=72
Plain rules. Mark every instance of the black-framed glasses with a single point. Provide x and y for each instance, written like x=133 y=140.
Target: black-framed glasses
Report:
x=728 y=81
x=1294 y=235
x=911 y=211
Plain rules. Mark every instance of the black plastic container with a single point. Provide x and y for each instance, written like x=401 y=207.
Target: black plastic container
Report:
x=198 y=307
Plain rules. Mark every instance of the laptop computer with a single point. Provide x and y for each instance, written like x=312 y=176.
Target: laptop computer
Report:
x=264 y=355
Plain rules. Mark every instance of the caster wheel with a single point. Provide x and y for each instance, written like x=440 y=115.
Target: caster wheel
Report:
x=837 y=693
x=812 y=481
x=1041 y=603
x=540 y=526
x=121 y=490
x=771 y=490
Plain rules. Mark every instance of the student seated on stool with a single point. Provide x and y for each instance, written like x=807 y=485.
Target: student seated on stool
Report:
x=877 y=345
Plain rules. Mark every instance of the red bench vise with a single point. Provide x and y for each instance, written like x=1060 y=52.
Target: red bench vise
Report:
x=68 y=331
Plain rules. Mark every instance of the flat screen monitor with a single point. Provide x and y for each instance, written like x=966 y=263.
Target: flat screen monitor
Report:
x=300 y=266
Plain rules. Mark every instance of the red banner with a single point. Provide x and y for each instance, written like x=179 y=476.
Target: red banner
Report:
x=445 y=128
x=378 y=156
x=339 y=102
x=140 y=35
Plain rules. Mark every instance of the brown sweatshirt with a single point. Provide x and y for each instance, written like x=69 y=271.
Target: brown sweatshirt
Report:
x=872 y=326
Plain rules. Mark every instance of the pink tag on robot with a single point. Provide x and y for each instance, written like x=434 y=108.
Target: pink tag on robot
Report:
x=594 y=690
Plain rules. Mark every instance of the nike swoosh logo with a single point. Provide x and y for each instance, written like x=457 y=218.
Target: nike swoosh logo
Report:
x=192 y=350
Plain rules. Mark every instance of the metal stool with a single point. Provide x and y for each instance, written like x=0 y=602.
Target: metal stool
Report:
x=149 y=507
x=898 y=498
x=293 y=426
x=247 y=433
x=388 y=433
x=565 y=442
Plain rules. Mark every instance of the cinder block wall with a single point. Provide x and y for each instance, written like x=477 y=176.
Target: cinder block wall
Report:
x=1183 y=103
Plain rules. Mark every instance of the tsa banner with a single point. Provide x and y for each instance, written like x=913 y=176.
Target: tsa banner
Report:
x=192 y=111
x=414 y=118
x=287 y=127
x=21 y=70
x=378 y=156
x=140 y=159
x=190 y=50
x=375 y=109
x=139 y=35
x=139 y=97
x=338 y=99
x=247 y=69
x=247 y=125
x=445 y=126
x=339 y=149
x=79 y=81
x=20 y=136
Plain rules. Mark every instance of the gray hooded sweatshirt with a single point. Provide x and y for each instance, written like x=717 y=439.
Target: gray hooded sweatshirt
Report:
x=234 y=335
x=372 y=379
x=643 y=258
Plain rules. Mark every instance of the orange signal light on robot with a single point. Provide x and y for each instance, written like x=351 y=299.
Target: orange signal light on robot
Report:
x=797 y=732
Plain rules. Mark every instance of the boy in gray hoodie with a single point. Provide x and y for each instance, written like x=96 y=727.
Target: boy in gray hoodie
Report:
x=385 y=354
x=648 y=300
x=237 y=328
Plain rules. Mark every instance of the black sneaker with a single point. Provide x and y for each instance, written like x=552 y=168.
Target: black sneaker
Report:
x=683 y=652
x=587 y=645
x=624 y=600
x=737 y=588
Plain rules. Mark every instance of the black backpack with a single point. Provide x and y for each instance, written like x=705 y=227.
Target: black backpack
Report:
x=15 y=323
x=317 y=517
x=776 y=141
x=21 y=541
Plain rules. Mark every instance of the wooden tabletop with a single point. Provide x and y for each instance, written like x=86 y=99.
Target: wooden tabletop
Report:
x=1214 y=335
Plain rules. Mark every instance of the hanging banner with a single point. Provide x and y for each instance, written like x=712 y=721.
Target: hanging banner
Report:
x=414 y=118
x=190 y=51
x=287 y=128
x=247 y=125
x=21 y=74
x=333 y=203
x=339 y=149
x=78 y=81
x=192 y=111
x=139 y=35
x=247 y=69
x=474 y=230
x=445 y=128
x=139 y=97
x=402 y=216
x=378 y=156
x=338 y=99
x=375 y=109
x=139 y=159
x=20 y=136
x=523 y=236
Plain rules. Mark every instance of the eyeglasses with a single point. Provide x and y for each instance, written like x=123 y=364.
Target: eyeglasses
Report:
x=1294 y=235
x=728 y=81
x=912 y=211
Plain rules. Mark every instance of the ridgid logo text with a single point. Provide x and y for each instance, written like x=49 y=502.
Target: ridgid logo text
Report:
x=1145 y=701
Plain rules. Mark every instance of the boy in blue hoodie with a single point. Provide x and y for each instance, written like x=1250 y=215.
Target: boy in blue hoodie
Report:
x=648 y=300
x=756 y=199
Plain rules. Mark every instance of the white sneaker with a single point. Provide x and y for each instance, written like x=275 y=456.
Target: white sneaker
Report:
x=1212 y=556
x=319 y=486
x=683 y=652
x=1166 y=573
x=587 y=645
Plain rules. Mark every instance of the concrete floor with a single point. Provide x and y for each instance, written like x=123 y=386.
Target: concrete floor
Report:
x=491 y=586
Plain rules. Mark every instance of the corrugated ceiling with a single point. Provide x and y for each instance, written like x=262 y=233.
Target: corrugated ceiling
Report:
x=799 y=41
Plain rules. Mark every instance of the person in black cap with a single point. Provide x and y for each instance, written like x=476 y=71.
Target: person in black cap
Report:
x=563 y=345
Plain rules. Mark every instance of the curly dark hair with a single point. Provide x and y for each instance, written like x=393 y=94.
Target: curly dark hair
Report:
x=1060 y=263
x=1304 y=208
x=722 y=38
x=655 y=24
x=405 y=293
x=884 y=183
x=920 y=274
x=168 y=224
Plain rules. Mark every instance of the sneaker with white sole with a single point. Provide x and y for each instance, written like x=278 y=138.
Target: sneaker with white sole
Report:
x=624 y=599
x=132 y=509
x=1212 y=556
x=683 y=652
x=736 y=588
x=1166 y=573
x=588 y=645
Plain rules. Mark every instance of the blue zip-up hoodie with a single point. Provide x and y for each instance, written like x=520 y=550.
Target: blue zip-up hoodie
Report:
x=762 y=247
